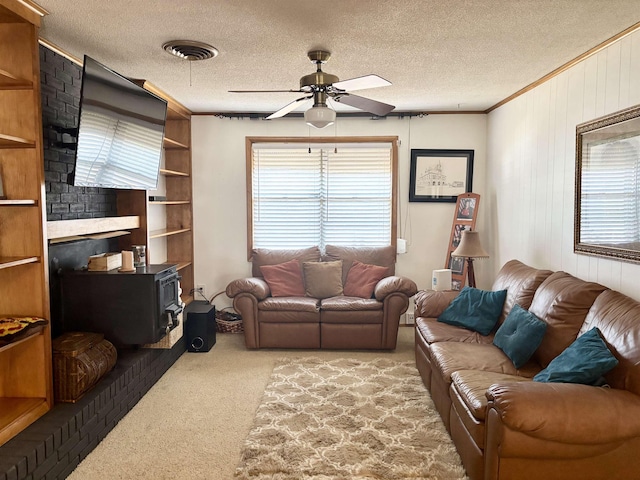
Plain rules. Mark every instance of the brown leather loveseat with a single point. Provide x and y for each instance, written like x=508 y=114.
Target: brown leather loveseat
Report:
x=506 y=426
x=340 y=303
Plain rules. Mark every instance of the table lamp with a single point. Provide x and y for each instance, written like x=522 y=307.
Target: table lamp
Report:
x=470 y=248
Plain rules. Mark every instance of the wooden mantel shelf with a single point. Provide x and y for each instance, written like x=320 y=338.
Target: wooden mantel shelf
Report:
x=89 y=226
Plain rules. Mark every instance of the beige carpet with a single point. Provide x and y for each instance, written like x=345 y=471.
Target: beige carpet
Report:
x=193 y=423
x=347 y=419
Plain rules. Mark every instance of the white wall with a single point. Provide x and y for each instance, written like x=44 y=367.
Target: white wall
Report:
x=531 y=165
x=219 y=198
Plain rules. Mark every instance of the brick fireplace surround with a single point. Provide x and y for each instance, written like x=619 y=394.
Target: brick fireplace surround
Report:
x=53 y=446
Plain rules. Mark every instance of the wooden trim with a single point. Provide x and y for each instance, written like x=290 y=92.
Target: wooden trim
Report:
x=174 y=144
x=52 y=46
x=165 y=232
x=11 y=141
x=68 y=228
x=18 y=203
x=394 y=193
x=249 y=191
x=26 y=9
x=8 y=262
x=172 y=173
x=567 y=66
x=305 y=140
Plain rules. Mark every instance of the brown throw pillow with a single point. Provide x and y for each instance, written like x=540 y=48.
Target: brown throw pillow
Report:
x=284 y=279
x=323 y=279
x=363 y=278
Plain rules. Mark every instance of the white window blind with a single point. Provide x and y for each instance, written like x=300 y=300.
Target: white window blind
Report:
x=305 y=195
x=609 y=193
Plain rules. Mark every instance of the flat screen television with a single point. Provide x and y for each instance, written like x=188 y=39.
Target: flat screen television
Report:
x=120 y=132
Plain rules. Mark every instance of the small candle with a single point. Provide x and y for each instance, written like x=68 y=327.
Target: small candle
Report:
x=127 y=260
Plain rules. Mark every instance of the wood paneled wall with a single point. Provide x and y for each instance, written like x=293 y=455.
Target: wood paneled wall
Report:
x=531 y=165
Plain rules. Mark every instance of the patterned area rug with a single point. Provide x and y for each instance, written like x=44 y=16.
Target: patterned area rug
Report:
x=347 y=419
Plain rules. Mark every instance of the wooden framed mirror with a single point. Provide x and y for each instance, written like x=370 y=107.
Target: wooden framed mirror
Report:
x=607 y=197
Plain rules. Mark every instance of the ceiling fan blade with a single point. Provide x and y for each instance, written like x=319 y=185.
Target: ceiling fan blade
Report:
x=360 y=83
x=288 y=108
x=366 y=104
x=265 y=91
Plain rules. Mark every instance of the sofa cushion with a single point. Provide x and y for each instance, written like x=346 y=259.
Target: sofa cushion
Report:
x=433 y=331
x=472 y=387
x=349 y=304
x=362 y=279
x=290 y=304
x=563 y=302
x=521 y=282
x=584 y=361
x=322 y=279
x=430 y=303
x=267 y=256
x=475 y=309
x=381 y=256
x=449 y=357
x=520 y=335
x=468 y=397
x=284 y=279
x=616 y=316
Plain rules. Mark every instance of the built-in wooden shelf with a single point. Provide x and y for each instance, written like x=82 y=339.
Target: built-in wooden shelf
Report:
x=182 y=265
x=8 y=262
x=10 y=141
x=26 y=337
x=172 y=173
x=171 y=202
x=171 y=144
x=8 y=81
x=165 y=232
x=187 y=299
x=18 y=203
x=17 y=413
x=69 y=228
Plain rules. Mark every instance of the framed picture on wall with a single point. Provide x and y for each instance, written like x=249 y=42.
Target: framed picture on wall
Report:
x=440 y=175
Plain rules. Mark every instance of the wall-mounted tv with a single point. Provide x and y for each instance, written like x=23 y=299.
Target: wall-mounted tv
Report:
x=120 y=132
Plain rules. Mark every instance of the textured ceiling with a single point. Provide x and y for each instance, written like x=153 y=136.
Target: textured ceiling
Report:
x=439 y=55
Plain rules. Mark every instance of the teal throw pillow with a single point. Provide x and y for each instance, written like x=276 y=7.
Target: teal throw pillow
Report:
x=584 y=361
x=474 y=309
x=520 y=335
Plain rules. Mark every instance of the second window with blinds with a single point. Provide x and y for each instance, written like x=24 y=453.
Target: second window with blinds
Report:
x=321 y=191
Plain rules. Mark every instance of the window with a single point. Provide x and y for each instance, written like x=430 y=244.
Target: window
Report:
x=306 y=191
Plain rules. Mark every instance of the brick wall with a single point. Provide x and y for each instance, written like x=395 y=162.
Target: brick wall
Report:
x=53 y=446
x=60 y=86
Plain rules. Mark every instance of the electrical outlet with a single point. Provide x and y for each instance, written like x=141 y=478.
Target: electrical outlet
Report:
x=202 y=289
x=409 y=318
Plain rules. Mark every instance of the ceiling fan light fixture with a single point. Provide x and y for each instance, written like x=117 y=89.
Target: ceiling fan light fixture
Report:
x=320 y=116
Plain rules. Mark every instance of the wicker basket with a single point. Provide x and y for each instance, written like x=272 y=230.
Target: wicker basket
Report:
x=79 y=362
x=227 y=322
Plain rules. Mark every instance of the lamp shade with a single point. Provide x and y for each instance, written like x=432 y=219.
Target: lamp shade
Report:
x=320 y=116
x=470 y=246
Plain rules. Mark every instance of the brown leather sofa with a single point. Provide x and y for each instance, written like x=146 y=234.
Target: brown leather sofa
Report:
x=506 y=426
x=338 y=322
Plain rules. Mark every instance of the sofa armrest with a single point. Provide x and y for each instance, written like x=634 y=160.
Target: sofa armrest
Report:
x=253 y=286
x=430 y=303
x=394 y=284
x=566 y=413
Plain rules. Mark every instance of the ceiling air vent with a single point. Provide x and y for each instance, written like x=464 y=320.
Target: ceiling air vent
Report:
x=190 y=50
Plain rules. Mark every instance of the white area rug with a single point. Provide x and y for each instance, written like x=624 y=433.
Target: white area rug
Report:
x=347 y=419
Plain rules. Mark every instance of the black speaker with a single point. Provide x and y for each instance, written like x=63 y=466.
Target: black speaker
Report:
x=201 y=326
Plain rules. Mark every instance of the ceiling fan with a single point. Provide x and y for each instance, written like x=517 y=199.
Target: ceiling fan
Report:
x=321 y=88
